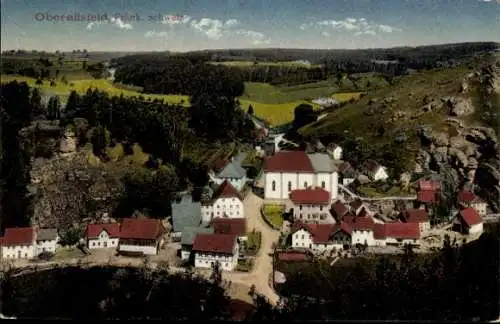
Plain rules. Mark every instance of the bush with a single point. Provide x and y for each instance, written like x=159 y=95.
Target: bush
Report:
x=72 y=236
x=245 y=265
x=253 y=242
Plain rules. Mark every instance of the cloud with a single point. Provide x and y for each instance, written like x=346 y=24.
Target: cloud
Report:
x=255 y=37
x=358 y=26
x=114 y=21
x=152 y=33
x=216 y=29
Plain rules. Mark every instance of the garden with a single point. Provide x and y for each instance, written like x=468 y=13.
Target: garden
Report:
x=253 y=242
x=273 y=215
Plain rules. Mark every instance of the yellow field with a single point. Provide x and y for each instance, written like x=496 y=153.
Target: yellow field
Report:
x=346 y=96
x=275 y=114
x=81 y=86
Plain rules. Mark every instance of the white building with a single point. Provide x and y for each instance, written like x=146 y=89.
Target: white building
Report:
x=468 y=221
x=399 y=234
x=362 y=229
x=231 y=171
x=140 y=236
x=311 y=205
x=211 y=248
x=321 y=238
x=375 y=171
x=47 y=240
x=18 y=243
x=224 y=202
x=105 y=235
x=290 y=170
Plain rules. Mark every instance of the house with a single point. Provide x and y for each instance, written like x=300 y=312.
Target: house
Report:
x=419 y=216
x=335 y=151
x=429 y=185
x=339 y=210
x=358 y=208
x=311 y=205
x=362 y=229
x=18 y=243
x=188 y=235
x=140 y=236
x=347 y=173
x=231 y=226
x=47 y=240
x=185 y=213
x=375 y=171
x=212 y=248
x=224 y=202
x=231 y=171
x=468 y=221
x=102 y=235
x=467 y=199
x=396 y=234
x=425 y=197
x=321 y=238
x=290 y=170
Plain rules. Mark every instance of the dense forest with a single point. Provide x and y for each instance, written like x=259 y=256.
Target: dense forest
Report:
x=177 y=74
x=167 y=133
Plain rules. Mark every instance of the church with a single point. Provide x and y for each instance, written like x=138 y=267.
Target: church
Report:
x=290 y=170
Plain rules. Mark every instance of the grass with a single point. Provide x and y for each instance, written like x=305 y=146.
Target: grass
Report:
x=346 y=96
x=274 y=214
x=117 y=154
x=253 y=242
x=276 y=105
x=68 y=253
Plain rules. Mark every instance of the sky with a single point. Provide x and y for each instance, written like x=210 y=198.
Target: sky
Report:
x=186 y=25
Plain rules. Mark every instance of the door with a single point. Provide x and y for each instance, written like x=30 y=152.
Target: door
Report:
x=105 y=244
x=18 y=254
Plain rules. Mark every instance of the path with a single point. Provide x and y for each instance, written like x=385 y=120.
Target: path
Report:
x=353 y=195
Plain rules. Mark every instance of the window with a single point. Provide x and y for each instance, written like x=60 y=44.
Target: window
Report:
x=302 y=236
x=305 y=185
x=289 y=186
x=274 y=185
x=323 y=184
x=320 y=207
x=300 y=207
x=300 y=216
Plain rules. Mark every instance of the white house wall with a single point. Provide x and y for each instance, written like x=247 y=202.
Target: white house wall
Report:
x=232 y=207
x=206 y=260
x=103 y=241
x=337 y=153
x=46 y=246
x=474 y=229
x=298 y=181
x=148 y=250
x=301 y=239
x=480 y=207
x=308 y=210
x=394 y=241
x=381 y=174
x=18 y=251
x=362 y=236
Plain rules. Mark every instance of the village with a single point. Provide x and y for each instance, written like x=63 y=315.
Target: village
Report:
x=301 y=202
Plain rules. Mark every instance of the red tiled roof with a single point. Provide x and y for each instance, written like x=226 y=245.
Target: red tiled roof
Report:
x=18 y=236
x=146 y=229
x=426 y=196
x=471 y=216
x=415 y=216
x=343 y=226
x=466 y=196
x=316 y=196
x=359 y=223
x=288 y=161
x=363 y=212
x=216 y=243
x=371 y=166
x=226 y=190
x=339 y=208
x=402 y=230
x=292 y=256
x=379 y=232
x=320 y=232
x=429 y=185
x=93 y=230
x=233 y=226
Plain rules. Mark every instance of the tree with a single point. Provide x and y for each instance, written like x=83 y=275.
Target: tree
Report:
x=100 y=140
x=250 y=110
x=54 y=108
x=36 y=104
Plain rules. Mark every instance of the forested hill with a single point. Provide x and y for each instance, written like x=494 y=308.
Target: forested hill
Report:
x=177 y=73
